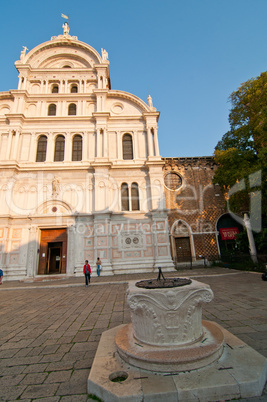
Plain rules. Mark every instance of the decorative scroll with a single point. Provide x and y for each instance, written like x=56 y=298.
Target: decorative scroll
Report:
x=168 y=316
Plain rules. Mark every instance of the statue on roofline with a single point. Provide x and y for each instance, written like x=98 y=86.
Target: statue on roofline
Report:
x=66 y=28
x=104 y=55
x=149 y=101
x=23 y=53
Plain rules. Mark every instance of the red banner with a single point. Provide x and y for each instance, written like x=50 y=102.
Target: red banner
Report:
x=229 y=233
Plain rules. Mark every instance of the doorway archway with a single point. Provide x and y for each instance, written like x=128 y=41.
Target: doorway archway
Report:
x=53 y=251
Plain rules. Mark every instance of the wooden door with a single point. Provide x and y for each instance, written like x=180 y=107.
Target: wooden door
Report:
x=183 y=249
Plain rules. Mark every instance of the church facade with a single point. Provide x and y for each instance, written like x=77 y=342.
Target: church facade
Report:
x=81 y=174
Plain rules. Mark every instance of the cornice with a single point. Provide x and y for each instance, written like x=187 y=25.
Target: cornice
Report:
x=6 y=95
x=188 y=162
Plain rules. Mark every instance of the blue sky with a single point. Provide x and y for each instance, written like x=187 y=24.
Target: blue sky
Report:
x=189 y=55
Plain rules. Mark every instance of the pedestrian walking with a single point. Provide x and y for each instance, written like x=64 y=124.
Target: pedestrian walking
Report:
x=1 y=276
x=87 y=272
x=98 y=266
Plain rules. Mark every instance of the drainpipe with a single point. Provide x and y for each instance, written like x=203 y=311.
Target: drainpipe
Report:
x=252 y=247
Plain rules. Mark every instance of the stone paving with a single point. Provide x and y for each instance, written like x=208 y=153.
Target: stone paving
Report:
x=50 y=330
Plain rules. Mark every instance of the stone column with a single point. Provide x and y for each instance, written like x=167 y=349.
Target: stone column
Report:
x=20 y=82
x=32 y=252
x=105 y=143
x=119 y=145
x=135 y=145
x=14 y=151
x=33 y=147
x=9 y=143
x=85 y=146
x=98 y=143
x=50 y=148
x=156 y=142
x=71 y=256
x=149 y=141
x=68 y=147
x=252 y=247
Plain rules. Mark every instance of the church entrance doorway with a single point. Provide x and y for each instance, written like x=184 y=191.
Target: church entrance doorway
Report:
x=183 y=249
x=228 y=228
x=54 y=258
x=53 y=252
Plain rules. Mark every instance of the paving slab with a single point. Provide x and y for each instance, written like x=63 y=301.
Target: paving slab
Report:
x=60 y=310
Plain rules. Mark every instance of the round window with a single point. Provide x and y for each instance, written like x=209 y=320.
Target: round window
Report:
x=172 y=181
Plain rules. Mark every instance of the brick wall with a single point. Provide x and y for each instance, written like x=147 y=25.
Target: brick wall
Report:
x=194 y=205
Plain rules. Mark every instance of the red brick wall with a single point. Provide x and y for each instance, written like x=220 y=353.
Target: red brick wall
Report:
x=197 y=202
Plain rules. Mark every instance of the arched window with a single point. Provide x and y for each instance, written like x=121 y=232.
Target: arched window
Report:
x=59 y=148
x=135 y=197
x=124 y=197
x=52 y=109
x=74 y=89
x=127 y=146
x=77 y=148
x=72 y=109
x=41 y=149
x=66 y=66
x=55 y=89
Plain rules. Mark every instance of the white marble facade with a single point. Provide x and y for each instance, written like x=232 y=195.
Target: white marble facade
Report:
x=77 y=155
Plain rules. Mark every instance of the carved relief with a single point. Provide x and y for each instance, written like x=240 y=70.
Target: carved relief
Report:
x=131 y=241
x=168 y=317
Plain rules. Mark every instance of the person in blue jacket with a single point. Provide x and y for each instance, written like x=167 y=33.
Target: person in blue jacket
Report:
x=98 y=266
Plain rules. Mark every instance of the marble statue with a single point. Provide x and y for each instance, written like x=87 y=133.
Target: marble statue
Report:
x=104 y=55
x=149 y=101
x=66 y=28
x=55 y=186
x=23 y=53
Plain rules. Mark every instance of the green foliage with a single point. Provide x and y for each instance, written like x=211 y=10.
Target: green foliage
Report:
x=243 y=150
x=248 y=116
x=261 y=241
x=94 y=398
x=242 y=242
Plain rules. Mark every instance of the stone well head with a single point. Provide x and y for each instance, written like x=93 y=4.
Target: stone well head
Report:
x=167 y=333
x=168 y=315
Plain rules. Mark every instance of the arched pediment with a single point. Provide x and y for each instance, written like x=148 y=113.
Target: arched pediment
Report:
x=121 y=102
x=180 y=229
x=54 y=53
x=54 y=207
x=4 y=109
